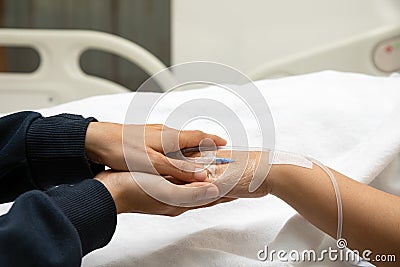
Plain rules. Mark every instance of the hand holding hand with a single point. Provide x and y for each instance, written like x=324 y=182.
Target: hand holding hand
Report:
x=142 y=148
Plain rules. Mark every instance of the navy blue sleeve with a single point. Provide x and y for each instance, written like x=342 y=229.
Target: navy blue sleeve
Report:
x=14 y=169
x=38 y=152
x=57 y=227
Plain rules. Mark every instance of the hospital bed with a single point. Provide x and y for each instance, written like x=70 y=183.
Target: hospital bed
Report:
x=376 y=52
x=59 y=77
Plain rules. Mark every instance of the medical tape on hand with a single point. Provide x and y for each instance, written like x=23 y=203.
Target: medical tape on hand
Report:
x=276 y=157
x=206 y=159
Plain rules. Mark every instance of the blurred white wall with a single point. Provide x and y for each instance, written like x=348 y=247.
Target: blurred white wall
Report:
x=249 y=33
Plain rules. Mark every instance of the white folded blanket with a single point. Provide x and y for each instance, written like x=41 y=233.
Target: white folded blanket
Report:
x=348 y=121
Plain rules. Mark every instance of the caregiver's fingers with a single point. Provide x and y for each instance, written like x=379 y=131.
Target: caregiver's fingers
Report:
x=181 y=169
x=193 y=196
x=176 y=195
x=221 y=199
x=195 y=138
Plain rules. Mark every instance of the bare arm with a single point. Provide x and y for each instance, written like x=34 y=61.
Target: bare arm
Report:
x=371 y=218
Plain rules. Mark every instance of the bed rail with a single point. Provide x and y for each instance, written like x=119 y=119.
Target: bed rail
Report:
x=59 y=77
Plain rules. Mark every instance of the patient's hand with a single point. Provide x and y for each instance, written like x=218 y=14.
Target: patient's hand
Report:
x=142 y=148
x=245 y=177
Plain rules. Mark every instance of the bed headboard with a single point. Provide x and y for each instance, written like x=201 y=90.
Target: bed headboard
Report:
x=59 y=77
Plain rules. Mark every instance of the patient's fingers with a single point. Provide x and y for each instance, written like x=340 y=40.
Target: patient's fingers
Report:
x=180 y=169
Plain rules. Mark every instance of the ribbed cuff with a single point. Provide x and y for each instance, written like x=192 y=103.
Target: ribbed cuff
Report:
x=55 y=148
x=91 y=209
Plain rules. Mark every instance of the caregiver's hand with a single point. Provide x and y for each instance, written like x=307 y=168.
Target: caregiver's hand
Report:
x=145 y=147
x=130 y=197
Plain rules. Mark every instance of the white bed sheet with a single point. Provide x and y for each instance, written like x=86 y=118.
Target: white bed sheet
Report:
x=348 y=121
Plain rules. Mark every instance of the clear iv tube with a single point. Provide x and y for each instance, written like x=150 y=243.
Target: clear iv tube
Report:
x=337 y=193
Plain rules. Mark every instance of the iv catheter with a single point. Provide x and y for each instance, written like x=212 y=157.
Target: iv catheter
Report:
x=180 y=154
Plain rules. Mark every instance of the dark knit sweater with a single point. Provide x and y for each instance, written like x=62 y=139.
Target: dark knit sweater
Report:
x=60 y=214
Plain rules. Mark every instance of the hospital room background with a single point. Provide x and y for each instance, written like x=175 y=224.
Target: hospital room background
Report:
x=89 y=56
x=260 y=38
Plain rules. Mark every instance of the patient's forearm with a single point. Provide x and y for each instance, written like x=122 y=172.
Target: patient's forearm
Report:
x=371 y=218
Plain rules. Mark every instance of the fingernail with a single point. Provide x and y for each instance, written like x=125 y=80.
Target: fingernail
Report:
x=212 y=192
x=200 y=174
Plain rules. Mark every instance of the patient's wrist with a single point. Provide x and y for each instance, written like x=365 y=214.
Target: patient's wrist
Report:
x=276 y=179
x=286 y=178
